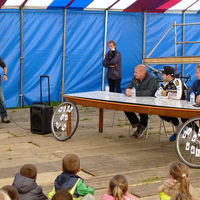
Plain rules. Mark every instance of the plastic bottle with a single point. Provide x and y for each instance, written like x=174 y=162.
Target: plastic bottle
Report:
x=133 y=95
x=158 y=93
x=107 y=89
x=192 y=98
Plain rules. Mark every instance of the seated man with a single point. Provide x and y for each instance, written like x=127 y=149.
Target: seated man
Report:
x=145 y=85
x=174 y=88
x=196 y=89
x=196 y=86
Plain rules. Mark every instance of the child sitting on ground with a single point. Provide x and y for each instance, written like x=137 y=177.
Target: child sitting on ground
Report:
x=4 y=195
x=178 y=182
x=11 y=191
x=25 y=182
x=72 y=182
x=62 y=194
x=118 y=189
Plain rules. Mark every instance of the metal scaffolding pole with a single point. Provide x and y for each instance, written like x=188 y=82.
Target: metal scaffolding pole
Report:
x=64 y=55
x=144 y=36
x=104 y=51
x=183 y=44
x=21 y=59
x=160 y=41
x=175 y=43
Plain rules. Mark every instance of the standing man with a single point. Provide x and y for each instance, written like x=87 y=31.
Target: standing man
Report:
x=3 y=112
x=174 y=88
x=112 y=61
x=145 y=85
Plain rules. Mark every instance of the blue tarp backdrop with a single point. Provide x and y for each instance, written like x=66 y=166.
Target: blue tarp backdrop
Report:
x=43 y=48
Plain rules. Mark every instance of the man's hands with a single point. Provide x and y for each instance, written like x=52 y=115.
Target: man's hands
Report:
x=198 y=99
x=164 y=92
x=113 y=65
x=128 y=92
x=5 y=78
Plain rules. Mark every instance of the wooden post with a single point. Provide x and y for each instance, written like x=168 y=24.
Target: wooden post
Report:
x=100 y=120
x=68 y=122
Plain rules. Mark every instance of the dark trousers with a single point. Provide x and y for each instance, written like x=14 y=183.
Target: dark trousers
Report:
x=191 y=125
x=174 y=120
x=115 y=84
x=134 y=119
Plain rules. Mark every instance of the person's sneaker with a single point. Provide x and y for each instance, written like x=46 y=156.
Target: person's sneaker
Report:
x=140 y=131
x=5 y=120
x=135 y=132
x=173 y=137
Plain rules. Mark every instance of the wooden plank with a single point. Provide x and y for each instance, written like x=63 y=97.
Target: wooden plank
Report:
x=172 y=60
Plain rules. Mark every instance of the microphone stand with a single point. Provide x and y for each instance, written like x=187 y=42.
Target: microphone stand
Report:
x=156 y=72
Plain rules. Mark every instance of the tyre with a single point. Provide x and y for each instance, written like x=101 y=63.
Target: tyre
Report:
x=65 y=121
x=188 y=143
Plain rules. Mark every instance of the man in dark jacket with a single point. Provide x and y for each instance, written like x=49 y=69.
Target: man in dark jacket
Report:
x=145 y=85
x=112 y=61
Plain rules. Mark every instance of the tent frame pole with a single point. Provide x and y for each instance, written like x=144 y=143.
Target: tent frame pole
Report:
x=144 y=36
x=21 y=57
x=104 y=48
x=64 y=55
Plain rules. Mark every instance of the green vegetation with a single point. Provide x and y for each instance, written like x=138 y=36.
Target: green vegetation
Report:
x=121 y=136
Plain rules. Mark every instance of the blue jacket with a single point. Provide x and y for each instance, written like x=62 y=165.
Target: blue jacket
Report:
x=195 y=88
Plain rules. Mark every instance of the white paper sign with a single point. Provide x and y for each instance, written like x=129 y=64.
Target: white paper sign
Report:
x=184 y=136
x=187 y=146
x=197 y=152
x=194 y=137
x=192 y=149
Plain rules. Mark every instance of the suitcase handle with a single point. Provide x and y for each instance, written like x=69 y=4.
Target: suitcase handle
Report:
x=41 y=88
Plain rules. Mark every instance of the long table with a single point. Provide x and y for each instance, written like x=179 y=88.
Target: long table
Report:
x=148 y=105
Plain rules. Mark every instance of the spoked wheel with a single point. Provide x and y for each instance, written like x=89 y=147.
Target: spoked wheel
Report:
x=188 y=143
x=65 y=121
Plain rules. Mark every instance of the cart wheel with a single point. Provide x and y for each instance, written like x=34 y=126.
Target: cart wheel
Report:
x=188 y=143
x=64 y=121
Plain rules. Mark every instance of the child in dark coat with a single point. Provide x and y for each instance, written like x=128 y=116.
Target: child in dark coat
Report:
x=25 y=182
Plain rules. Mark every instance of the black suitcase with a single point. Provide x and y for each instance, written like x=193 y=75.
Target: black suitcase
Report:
x=41 y=114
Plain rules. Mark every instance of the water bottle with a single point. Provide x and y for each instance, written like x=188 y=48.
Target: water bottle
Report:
x=107 y=89
x=158 y=93
x=133 y=95
x=192 y=98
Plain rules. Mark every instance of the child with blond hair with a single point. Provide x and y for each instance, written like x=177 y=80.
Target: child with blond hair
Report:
x=178 y=182
x=118 y=189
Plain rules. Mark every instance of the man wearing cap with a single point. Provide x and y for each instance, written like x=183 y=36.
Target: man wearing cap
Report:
x=3 y=112
x=174 y=88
